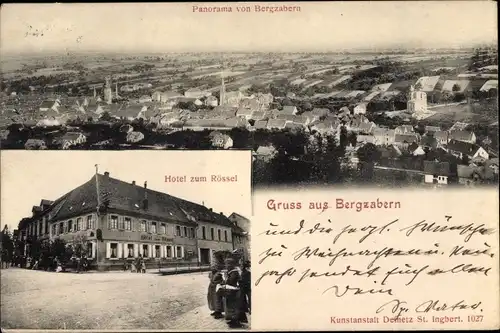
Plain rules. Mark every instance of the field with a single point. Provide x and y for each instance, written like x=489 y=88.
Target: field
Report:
x=462 y=113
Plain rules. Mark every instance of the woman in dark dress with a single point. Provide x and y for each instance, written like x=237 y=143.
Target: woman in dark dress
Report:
x=233 y=300
x=246 y=287
x=215 y=301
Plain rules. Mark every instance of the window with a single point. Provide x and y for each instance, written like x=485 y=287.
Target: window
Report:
x=113 y=222
x=157 y=251
x=144 y=225
x=225 y=235
x=114 y=250
x=169 y=251
x=54 y=229
x=130 y=250
x=212 y=233
x=178 y=230
x=145 y=251
x=128 y=223
x=79 y=224
x=219 y=234
x=153 y=227
x=90 y=250
x=121 y=224
x=178 y=251
x=70 y=226
x=186 y=232
x=203 y=233
x=90 y=222
x=163 y=228
x=192 y=233
x=61 y=227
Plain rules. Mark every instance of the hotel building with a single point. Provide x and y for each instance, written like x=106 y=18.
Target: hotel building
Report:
x=119 y=221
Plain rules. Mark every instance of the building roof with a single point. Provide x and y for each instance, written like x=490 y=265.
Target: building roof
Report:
x=383 y=132
x=461 y=135
x=409 y=138
x=286 y=116
x=289 y=109
x=428 y=83
x=449 y=84
x=260 y=124
x=437 y=168
x=432 y=128
x=128 y=199
x=381 y=87
x=276 y=123
x=490 y=84
x=462 y=147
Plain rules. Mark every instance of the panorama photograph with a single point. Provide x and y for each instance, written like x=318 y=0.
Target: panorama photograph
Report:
x=405 y=100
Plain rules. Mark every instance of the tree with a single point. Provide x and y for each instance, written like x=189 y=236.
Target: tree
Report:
x=6 y=246
x=106 y=116
x=80 y=245
x=446 y=96
x=455 y=88
x=368 y=155
x=59 y=249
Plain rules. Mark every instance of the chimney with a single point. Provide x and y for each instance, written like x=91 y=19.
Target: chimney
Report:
x=145 y=201
x=133 y=182
x=106 y=174
x=211 y=210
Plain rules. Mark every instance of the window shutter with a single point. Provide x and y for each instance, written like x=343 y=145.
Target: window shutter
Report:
x=119 y=250
x=150 y=250
x=182 y=251
x=108 y=250
x=94 y=249
x=136 y=250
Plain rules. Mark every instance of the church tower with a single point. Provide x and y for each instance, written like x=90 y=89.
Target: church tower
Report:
x=417 y=101
x=107 y=91
x=222 y=90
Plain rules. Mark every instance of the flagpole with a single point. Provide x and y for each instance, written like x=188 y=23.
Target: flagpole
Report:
x=97 y=216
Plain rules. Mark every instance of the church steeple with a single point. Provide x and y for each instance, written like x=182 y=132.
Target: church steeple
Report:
x=222 y=89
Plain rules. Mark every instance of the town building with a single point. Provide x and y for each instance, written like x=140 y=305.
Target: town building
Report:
x=108 y=94
x=417 y=103
x=436 y=172
x=117 y=221
x=461 y=149
x=241 y=237
x=71 y=139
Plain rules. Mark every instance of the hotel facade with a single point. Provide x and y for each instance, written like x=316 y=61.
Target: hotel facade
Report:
x=119 y=221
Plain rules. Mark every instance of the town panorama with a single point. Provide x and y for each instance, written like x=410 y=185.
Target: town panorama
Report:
x=411 y=117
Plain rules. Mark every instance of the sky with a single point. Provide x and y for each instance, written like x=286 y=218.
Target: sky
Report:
x=174 y=27
x=29 y=176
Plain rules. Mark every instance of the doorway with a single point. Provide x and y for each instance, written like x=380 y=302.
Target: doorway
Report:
x=205 y=256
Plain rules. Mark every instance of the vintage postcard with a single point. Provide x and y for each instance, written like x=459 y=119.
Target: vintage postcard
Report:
x=359 y=140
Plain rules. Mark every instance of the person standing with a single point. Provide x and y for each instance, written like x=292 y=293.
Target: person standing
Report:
x=215 y=300
x=143 y=265
x=233 y=299
x=246 y=284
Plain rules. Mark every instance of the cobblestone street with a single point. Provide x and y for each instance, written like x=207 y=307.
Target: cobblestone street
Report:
x=115 y=300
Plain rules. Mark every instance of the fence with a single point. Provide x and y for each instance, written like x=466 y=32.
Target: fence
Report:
x=176 y=267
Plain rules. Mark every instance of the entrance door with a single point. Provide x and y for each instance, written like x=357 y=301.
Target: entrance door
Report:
x=205 y=256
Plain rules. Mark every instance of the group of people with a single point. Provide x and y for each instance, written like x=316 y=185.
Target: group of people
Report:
x=137 y=266
x=229 y=294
